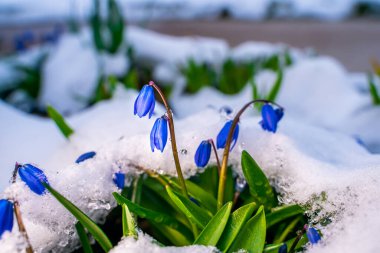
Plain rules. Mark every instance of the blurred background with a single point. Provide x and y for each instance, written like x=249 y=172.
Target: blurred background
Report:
x=36 y=64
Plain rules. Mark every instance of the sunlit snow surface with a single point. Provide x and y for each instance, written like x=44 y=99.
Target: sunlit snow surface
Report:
x=313 y=152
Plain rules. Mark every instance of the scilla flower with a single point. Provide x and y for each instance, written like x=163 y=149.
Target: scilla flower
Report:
x=283 y=248
x=312 y=235
x=271 y=118
x=145 y=101
x=6 y=216
x=33 y=177
x=119 y=180
x=85 y=156
x=202 y=155
x=159 y=134
x=221 y=139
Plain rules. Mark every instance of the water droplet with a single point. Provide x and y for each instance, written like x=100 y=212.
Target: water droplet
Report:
x=183 y=151
x=240 y=184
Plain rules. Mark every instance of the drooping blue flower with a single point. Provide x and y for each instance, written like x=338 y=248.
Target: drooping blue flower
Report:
x=33 y=177
x=145 y=102
x=85 y=156
x=270 y=118
x=159 y=134
x=279 y=113
x=119 y=180
x=203 y=153
x=221 y=139
x=6 y=216
x=313 y=235
x=283 y=248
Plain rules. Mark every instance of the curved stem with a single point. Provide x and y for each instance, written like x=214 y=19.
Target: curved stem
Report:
x=223 y=170
x=216 y=154
x=172 y=138
x=16 y=207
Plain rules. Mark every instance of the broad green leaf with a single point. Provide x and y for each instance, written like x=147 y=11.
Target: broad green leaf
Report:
x=65 y=129
x=129 y=226
x=173 y=235
x=258 y=183
x=146 y=213
x=284 y=212
x=214 y=229
x=285 y=232
x=86 y=246
x=252 y=236
x=208 y=180
x=229 y=186
x=273 y=248
x=190 y=209
x=198 y=193
x=91 y=226
x=236 y=221
x=276 y=86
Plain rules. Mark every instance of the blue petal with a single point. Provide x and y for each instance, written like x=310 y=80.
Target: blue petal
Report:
x=221 y=139
x=85 y=156
x=152 y=135
x=279 y=113
x=151 y=110
x=144 y=103
x=203 y=153
x=269 y=118
x=33 y=177
x=235 y=137
x=119 y=180
x=283 y=248
x=312 y=235
x=161 y=134
x=6 y=216
x=223 y=134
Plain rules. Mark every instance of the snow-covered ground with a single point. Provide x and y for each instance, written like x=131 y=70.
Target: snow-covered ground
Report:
x=25 y=11
x=315 y=150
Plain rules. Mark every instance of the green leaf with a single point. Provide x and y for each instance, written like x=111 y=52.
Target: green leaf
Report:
x=373 y=90
x=129 y=226
x=252 y=236
x=198 y=193
x=86 y=246
x=276 y=86
x=91 y=226
x=259 y=186
x=285 y=232
x=214 y=229
x=284 y=212
x=208 y=180
x=60 y=122
x=192 y=211
x=236 y=221
x=273 y=248
x=146 y=213
x=173 y=235
x=115 y=24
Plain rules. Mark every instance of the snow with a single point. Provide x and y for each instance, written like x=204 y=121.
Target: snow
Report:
x=314 y=151
x=146 y=244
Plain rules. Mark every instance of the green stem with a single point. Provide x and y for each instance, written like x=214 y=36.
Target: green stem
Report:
x=172 y=138
x=223 y=170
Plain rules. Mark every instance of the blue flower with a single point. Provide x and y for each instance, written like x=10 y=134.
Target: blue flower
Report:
x=271 y=117
x=159 y=134
x=145 y=101
x=119 y=180
x=33 y=177
x=312 y=235
x=283 y=248
x=85 y=156
x=221 y=139
x=6 y=216
x=202 y=155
